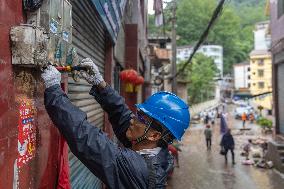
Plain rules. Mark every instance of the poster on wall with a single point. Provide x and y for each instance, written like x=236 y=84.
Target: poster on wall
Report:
x=26 y=133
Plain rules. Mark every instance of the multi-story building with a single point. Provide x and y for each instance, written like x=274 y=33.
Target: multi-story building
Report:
x=242 y=75
x=276 y=147
x=213 y=51
x=261 y=67
x=160 y=61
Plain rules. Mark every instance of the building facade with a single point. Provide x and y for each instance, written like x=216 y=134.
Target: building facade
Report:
x=276 y=147
x=242 y=75
x=161 y=65
x=136 y=54
x=261 y=67
x=213 y=51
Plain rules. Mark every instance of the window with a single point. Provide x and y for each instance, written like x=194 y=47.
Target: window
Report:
x=260 y=73
x=248 y=77
x=280 y=7
x=248 y=69
x=260 y=62
x=215 y=50
x=248 y=85
x=260 y=85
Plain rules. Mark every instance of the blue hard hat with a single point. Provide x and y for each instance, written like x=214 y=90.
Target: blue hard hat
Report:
x=169 y=110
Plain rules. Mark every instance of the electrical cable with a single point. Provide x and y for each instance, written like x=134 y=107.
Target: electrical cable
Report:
x=216 y=14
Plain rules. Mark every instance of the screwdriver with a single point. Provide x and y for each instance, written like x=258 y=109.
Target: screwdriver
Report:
x=70 y=68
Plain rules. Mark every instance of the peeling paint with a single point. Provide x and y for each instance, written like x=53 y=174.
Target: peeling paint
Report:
x=16 y=176
x=2 y=61
x=25 y=82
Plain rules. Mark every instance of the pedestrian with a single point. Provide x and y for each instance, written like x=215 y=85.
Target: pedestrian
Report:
x=251 y=117
x=223 y=124
x=244 y=118
x=228 y=143
x=174 y=152
x=247 y=148
x=208 y=136
x=212 y=117
x=206 y=120
x=144 y=160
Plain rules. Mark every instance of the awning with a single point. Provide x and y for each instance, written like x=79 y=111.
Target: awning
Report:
x=111 y=13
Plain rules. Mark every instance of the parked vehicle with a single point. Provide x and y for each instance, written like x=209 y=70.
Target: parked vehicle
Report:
x=244 y=109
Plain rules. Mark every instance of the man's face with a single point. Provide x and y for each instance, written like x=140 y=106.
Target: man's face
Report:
x=138 y=124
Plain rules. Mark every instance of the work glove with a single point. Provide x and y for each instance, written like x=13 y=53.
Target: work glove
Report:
x=93 y=75
x=51 y=76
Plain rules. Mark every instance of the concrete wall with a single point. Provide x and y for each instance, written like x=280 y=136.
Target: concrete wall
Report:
x=277 y=24
x=195 y=109
x=21 y=89
x=273 y=155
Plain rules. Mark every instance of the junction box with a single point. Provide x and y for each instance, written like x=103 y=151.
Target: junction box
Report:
x=47 y=36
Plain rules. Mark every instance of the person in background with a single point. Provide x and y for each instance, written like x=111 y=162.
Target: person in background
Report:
x=206 y=119
x=247 y=148
x=144 y=161
x=208 y=136
x=228 y=143
x=244 y=118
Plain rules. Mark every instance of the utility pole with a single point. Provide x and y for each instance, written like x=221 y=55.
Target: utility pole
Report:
x=174 y=48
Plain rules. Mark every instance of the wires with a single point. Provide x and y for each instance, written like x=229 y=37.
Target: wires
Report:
x=217 y=12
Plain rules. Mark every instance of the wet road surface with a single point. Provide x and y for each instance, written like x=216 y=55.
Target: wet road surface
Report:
x=203 y=169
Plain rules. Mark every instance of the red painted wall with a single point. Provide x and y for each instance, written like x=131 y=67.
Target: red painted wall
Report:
x=18 y=86
x=131 y=59
x=108 y=78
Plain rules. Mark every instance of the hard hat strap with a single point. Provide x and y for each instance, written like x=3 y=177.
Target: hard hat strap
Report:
x=144 y=136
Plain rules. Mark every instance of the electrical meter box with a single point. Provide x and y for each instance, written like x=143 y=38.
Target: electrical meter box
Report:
x=54 y=20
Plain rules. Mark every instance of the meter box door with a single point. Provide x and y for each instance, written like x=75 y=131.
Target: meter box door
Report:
x=56 y=18
x=46 y=38
x=67 y=33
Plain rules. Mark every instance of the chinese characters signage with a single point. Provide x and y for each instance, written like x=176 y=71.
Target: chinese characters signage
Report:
x=26 y=134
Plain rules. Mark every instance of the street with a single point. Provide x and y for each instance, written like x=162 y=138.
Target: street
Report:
x=202 y=169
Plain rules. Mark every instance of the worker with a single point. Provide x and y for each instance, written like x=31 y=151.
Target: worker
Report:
x=244 y=118
x=144 y=161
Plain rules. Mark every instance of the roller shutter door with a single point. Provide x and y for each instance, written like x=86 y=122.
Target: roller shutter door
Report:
x=89 y=41
x=280 y=88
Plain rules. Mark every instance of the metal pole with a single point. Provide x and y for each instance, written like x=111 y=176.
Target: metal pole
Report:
x=174 y=48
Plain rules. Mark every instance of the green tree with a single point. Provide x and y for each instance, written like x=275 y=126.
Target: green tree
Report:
x=200 y=74
x=233 y=30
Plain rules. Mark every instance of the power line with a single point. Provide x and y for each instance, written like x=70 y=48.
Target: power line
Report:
x=217 y=12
